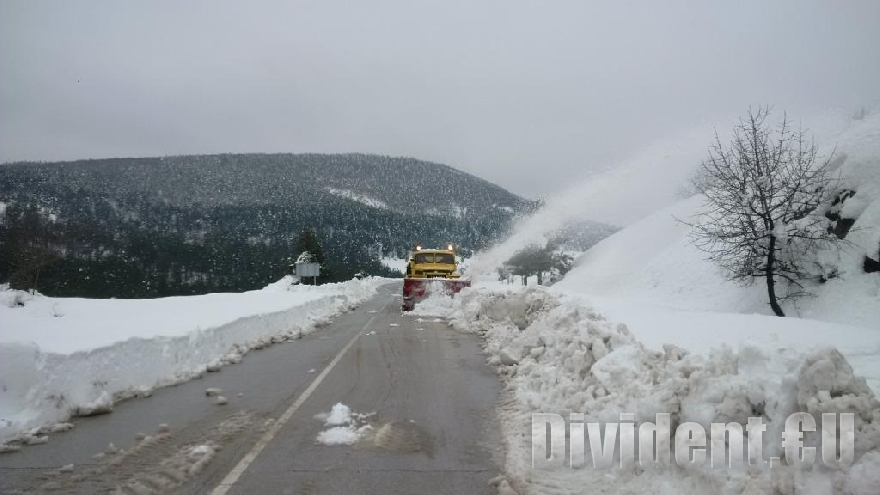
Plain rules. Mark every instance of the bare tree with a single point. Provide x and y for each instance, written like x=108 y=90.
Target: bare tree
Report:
x=762 y=194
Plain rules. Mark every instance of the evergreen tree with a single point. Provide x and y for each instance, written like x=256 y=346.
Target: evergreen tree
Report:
x=308 y=242
x=310 y=251
x=531 y=260
x=29 y=246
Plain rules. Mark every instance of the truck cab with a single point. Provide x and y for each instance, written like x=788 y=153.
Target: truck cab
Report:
x=432 y=263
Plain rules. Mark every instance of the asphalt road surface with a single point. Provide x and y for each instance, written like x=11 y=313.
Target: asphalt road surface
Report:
x=421 y=394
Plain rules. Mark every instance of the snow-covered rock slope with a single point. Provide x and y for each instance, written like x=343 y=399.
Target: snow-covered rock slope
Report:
x=60 y=356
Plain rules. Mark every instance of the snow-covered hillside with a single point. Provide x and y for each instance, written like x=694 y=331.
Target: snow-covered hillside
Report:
x=65 y=356
x=653 y=260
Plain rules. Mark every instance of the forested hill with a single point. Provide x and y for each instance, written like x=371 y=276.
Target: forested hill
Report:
x=143 y=227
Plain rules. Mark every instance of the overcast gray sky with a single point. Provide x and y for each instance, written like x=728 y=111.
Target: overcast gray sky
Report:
x=530 y=95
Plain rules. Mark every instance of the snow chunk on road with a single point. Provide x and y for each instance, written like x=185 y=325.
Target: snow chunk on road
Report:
x=346 y=428
x=339 y=415
x=338 y=435
x=201 y=450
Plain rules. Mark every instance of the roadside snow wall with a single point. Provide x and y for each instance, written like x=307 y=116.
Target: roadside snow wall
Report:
x=40 y=388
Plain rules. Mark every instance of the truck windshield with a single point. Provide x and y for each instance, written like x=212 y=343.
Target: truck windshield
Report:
x=447 y=259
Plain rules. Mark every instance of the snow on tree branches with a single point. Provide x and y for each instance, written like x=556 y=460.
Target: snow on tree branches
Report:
x=765 y=198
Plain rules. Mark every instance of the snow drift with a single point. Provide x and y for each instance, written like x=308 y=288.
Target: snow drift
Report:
x=61 y=357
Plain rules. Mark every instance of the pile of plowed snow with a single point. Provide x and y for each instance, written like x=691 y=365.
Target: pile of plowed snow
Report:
x=558 y=355
x=67 y=356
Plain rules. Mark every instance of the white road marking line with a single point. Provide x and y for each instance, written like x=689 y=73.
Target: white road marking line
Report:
x=249 y=458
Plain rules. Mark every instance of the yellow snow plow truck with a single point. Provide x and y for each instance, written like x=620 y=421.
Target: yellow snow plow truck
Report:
x=430 y=268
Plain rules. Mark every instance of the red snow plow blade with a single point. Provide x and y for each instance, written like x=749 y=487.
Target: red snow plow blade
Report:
x=416 y=289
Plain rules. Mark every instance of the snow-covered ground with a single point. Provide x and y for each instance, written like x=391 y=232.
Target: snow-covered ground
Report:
x=65 y=356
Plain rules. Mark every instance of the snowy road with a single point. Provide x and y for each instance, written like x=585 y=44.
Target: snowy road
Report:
x=421 y=396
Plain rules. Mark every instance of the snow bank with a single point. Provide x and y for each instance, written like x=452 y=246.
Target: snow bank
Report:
x=60 y=357
x=556 y=354
x=702 y=331
x=67 y=325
